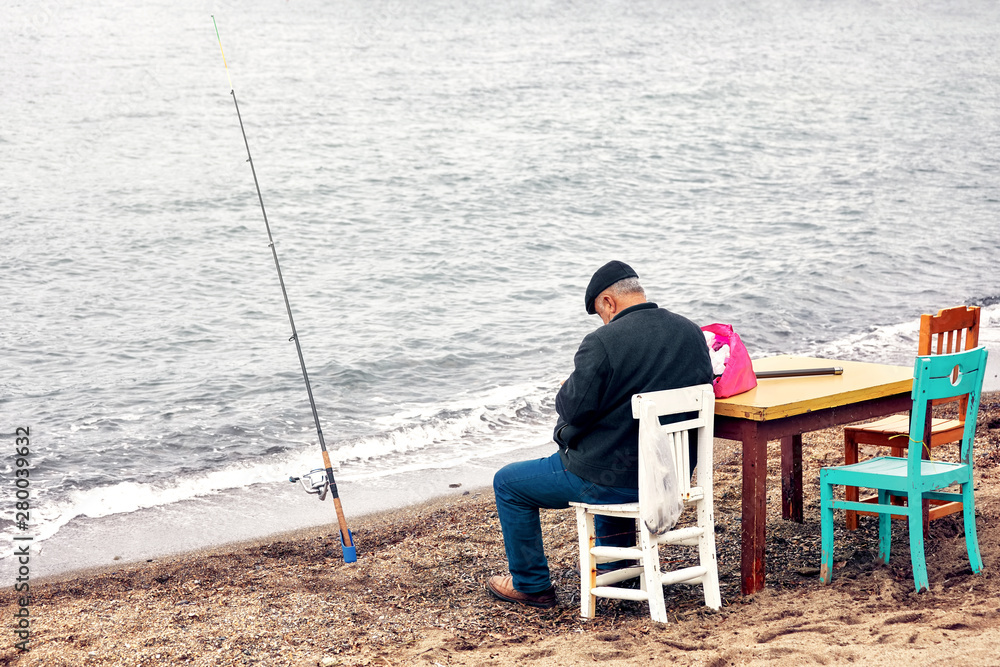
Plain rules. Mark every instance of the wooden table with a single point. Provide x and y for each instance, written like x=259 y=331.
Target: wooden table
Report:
x=785 y=408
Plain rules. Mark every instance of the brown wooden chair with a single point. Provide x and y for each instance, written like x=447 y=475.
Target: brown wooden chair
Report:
x=951 y=330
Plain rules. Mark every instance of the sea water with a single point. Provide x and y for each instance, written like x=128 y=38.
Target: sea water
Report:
x=441 y=179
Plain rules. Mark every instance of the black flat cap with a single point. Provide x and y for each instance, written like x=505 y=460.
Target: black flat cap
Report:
x=605 y=277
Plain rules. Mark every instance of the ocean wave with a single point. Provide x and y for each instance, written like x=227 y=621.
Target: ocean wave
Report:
x=415 y=438
x=897 y=343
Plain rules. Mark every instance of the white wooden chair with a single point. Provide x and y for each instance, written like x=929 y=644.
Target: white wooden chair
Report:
x=701 y=400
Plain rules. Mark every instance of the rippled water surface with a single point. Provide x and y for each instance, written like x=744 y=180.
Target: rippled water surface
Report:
x=441 y=179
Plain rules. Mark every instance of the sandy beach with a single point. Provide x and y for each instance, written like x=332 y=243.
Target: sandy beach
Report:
x=416 y=594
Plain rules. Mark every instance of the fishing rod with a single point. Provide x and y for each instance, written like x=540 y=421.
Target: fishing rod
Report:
x=316 y=484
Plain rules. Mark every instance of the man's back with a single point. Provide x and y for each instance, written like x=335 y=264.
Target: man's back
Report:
x=644 y=348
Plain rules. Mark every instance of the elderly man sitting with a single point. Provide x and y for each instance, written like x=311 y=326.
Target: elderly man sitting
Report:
x=640 y=348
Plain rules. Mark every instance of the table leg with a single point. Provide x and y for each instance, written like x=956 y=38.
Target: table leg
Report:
x=851 y=493
x=791 y=477
x=754 y=508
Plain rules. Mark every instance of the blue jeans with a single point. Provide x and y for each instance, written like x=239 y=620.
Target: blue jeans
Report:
x=523 y=488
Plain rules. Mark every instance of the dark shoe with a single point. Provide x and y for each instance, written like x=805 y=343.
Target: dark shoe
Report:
x=503 y=588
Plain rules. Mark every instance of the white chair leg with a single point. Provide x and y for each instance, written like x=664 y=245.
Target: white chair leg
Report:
x=643 y=586
x=707 y=554
x=588 y=563
x=651 y=571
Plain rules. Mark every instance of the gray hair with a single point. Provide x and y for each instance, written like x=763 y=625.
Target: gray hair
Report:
x=627 y=286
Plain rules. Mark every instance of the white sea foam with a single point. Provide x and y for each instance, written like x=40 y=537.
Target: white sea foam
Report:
x=897 y=343
x=440 y=437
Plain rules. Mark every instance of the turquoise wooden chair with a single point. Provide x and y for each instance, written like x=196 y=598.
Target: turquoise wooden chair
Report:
x=934 y=377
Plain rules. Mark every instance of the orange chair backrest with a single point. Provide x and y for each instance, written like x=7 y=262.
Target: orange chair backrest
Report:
x=951 y=330
x=944 y=333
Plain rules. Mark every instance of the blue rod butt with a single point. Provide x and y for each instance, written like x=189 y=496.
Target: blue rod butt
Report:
x=350 y=553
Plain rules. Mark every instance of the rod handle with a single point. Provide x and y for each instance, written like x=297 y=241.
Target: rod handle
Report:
x=799 y=372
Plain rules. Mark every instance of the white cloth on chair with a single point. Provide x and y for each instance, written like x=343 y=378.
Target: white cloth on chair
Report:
x=659 y=493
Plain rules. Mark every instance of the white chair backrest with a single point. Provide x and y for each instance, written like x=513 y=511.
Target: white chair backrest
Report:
x=700 y=400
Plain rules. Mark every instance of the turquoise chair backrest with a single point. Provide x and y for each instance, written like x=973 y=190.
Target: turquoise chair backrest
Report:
x=945 y=376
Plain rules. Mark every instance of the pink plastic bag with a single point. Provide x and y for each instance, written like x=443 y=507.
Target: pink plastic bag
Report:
x=738 y=375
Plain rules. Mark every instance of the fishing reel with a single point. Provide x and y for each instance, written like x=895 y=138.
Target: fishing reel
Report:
x=315 y=481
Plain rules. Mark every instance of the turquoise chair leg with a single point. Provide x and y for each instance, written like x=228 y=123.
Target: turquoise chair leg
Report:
x=915 y=513
x=884 y=529
x=826 y=529
x=971 y=539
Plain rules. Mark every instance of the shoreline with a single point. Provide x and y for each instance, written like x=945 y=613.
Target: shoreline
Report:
x=245 y=516
x=270 y=511
x=327 y=531
x=265 y=511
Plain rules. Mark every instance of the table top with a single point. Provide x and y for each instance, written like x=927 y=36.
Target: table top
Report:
x=776 y=398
